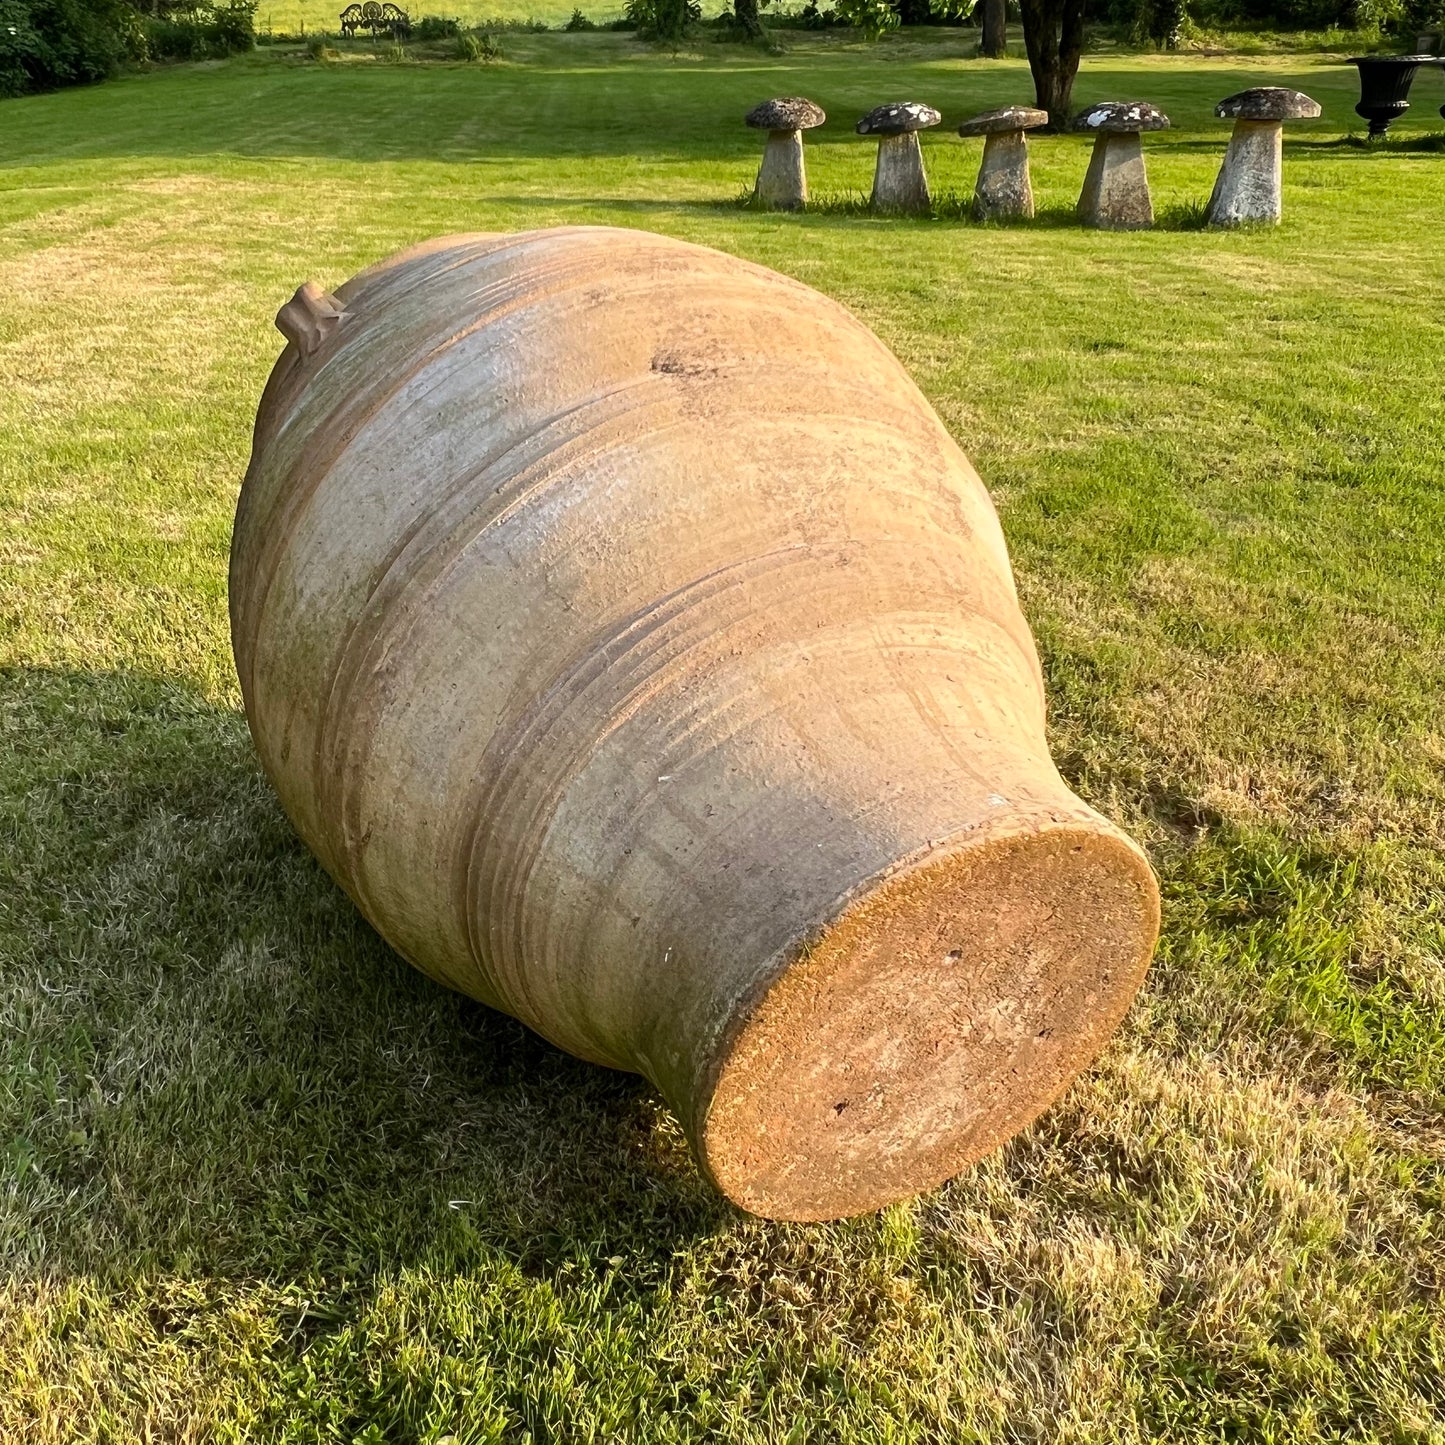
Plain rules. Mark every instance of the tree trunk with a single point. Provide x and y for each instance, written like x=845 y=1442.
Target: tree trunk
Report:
x=1054 y=38
x=995 y=29
x=748 y=19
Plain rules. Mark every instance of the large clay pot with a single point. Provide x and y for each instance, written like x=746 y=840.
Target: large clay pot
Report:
x=623 y=631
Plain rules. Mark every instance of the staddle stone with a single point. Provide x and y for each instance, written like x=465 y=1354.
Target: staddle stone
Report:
x=782 y=183
x=1003 y=189
x=1116 y=189
x=1250 y=183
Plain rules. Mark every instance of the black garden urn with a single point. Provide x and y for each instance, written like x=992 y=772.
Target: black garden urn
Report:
x=1385 y=86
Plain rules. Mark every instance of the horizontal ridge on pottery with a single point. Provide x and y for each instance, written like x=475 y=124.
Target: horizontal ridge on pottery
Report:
x=621 y=628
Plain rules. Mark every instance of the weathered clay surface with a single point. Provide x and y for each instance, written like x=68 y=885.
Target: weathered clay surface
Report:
x=1116 y=187
x=621 y=628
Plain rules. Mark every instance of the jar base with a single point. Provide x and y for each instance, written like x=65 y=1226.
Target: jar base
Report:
x=939 y=1014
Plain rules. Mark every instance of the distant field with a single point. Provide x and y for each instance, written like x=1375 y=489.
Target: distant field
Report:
x=306 y=17
x=262 y=1182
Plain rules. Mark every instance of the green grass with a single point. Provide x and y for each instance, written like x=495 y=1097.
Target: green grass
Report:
x=262 y=1182
x=309 y=17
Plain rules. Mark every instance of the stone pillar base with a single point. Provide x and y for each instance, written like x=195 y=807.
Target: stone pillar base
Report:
x=899 y=183
x=1116 y=189
x=782 y=183
x=1003 y=189
x=1249 y=184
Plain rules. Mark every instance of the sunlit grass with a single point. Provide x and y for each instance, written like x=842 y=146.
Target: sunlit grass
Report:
x=263 y=1182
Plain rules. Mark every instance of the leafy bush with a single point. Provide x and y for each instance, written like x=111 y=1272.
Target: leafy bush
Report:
x=1382 y=14
x=521 y=27
x=808 y=18
x=173 y=38
x=45 y=44
x=579 y=22
x=21 y=49
x=1162 y=23
x=875 y=18
x=436 y=27
x=1148 y=19
x=203 y=33
x=1158 y=23
x=728 y=26
x=477 y=47
x=233 y=27
x=662 y=19
x=934 y=12
x=1424 y=15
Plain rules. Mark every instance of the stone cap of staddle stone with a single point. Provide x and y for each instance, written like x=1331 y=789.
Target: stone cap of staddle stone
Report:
x=1010 y=117
x=785 y=112
x=1268 y=102
x=898 y=117
x=1121 y=117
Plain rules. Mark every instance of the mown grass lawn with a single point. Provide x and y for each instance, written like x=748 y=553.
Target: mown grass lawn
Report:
x=262 y=1182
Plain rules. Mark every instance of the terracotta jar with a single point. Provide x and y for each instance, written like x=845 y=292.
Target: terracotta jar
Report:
x=623 y=631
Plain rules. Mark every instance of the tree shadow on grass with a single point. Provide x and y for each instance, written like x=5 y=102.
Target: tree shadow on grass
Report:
x=1358 y=145
x=1353 y=146
x=215 y=1065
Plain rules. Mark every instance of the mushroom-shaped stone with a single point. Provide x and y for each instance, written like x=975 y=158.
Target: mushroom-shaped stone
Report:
x=782 y=184
x=899 y=183
x=1116 y=189
x=1248 y=188
x=1003 y=187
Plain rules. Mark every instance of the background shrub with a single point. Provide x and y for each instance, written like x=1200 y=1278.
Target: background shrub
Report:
x=45 y=44
x=436 y=27
x=1161 y=21
x=204 y=32
x=810 y=17
x=233 y=27
x=20 y=48
x=662 y=19
x=873 y=17
x=49 y=43
x=477 y=47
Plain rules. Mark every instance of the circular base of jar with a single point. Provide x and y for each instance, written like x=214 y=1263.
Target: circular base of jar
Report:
x=940 y=1013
